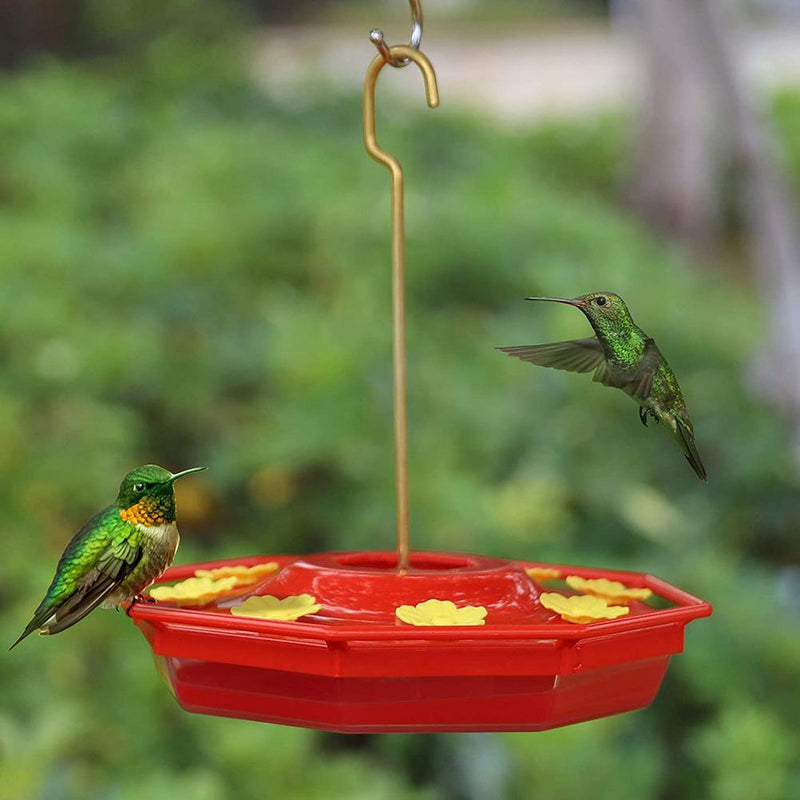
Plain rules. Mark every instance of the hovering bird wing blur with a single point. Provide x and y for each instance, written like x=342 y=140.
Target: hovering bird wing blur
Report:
x=640 y=386
x=78 y=587
x=585 y=355
x=578 y=355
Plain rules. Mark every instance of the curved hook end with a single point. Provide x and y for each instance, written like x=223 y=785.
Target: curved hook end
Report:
x=377 y=64
x=421 y=60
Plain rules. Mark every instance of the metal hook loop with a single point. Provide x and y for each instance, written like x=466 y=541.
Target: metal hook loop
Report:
x=376 y=37
x=407 y=54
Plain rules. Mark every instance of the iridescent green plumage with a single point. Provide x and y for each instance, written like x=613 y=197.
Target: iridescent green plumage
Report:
x=622 y=356
x=116 y=554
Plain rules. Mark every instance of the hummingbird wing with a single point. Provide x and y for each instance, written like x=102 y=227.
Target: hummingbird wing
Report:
x=99 y=557
x=641 y=385
x=585 y=355
x=577 y=355
x=638 y=385
x=113 y=566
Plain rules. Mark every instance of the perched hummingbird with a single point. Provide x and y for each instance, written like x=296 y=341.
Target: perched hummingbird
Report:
x=624 y=357
x=117 y=554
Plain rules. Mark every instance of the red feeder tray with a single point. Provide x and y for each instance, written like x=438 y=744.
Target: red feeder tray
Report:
x=353 y=667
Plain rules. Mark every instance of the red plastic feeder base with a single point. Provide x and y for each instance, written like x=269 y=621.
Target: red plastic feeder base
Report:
x=353 y=667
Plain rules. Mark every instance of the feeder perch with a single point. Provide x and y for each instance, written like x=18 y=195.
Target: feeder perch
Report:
x=492 y=656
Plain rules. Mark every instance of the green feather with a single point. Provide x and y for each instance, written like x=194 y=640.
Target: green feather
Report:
x=97 y=559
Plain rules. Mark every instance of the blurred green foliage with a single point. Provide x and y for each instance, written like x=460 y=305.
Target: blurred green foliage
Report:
x=787 y=116
x=196 y=273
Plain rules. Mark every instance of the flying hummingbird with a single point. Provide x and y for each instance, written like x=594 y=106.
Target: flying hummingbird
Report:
x=117 y=554
x=624 y=357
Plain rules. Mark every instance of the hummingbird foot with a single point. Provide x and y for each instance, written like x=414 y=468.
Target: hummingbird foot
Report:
x=143 y=598
x=644 y=413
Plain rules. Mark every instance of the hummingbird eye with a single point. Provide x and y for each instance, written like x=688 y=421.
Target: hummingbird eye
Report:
x=138 y=487
x=601 y=301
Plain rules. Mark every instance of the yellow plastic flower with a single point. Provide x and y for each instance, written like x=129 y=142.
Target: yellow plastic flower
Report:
x=193 y=591
x=615 y=592
x=543 y=573
x=441 y=612
x=287 y=609
x=581 y=608
x=245 y=576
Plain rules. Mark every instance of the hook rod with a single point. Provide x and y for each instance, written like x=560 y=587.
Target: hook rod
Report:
x=398 y=276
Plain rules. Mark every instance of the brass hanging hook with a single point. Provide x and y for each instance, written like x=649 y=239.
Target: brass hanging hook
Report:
x=376 y=37
x=398 y=275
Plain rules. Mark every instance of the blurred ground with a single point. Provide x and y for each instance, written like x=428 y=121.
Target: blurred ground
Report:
x=522 y=74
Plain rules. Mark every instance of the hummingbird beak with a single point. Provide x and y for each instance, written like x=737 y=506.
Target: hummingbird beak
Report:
x=176 y=475
x=568 y=300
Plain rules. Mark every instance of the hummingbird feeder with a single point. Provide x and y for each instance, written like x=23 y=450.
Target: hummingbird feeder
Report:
x=411 y=641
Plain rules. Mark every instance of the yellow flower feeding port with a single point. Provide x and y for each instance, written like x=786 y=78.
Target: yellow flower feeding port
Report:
x=266 y=606
x=615 y=592
x=581 y=609
x=245 y=576
x=193 y=591
x=542 y=574
x=441 y=612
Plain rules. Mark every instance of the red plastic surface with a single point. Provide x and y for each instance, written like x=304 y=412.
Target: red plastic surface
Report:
x=353 y=667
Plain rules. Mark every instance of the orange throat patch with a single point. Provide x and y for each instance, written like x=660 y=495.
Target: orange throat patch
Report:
x=144 y=513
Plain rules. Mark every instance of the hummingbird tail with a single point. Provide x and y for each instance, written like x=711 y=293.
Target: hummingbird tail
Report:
x=686 y=441
x=41 y=617
x=27 y=632
x=80 y=604
x=50 y=618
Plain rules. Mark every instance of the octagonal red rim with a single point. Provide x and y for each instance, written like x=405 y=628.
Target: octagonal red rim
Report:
x=686 y=606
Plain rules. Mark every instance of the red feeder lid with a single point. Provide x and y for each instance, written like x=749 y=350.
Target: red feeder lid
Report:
x=355 y=667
